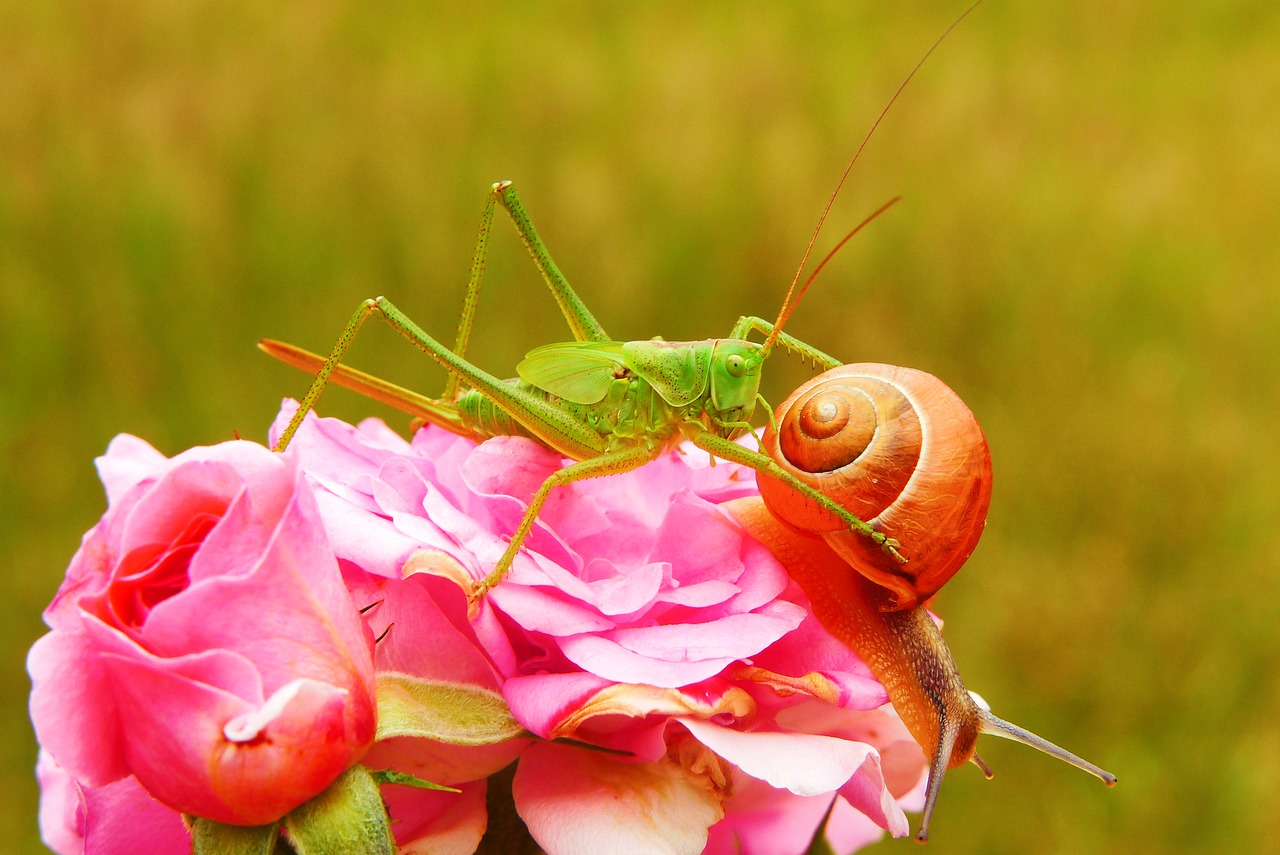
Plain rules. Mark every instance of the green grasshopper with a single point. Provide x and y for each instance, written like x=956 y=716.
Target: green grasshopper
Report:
x=610 y=406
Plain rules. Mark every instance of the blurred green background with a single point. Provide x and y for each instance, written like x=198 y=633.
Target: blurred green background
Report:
x=1087 y=251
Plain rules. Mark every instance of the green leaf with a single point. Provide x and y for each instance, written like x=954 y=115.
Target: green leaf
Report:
x=391 y=776
x=347 y=818
x=220 y=838
x=453 y=713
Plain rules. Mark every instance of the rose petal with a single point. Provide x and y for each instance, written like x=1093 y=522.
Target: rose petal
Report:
x=127 y=461
x=762 y=820
x=73 y=708
x=431 y=822
x=803 y=763
x=574 y=800
x=678 y=655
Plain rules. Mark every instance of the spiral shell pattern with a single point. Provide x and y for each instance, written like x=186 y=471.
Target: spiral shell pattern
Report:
x=898 y=449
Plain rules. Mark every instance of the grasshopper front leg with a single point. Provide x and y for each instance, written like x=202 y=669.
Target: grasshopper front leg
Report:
x=804 y=350
x=728 y=450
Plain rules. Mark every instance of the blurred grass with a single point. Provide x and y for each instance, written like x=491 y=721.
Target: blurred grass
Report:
x=1086 y=251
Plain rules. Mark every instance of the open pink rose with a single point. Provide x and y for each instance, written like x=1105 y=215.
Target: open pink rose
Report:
x=203 y=641
x=638 y=618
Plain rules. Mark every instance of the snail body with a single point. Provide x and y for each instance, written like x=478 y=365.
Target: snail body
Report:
x=900 y=450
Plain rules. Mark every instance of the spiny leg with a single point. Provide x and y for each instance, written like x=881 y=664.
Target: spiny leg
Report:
x=584 y=324
x=609 y=463
x=340 y=348
x=728 y=450
x=478 y=258
x=802 y=349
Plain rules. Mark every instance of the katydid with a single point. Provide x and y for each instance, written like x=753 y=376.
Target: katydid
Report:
x=610 y=406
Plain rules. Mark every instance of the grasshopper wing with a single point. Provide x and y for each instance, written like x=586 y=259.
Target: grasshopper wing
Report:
x=578 y=371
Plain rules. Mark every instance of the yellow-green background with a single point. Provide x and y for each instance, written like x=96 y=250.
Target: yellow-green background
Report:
x=1087 y=251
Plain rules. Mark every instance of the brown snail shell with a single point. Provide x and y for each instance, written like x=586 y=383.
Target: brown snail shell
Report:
x=898 y=449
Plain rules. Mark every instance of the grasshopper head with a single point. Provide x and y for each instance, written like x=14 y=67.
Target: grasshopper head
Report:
x=735 y=378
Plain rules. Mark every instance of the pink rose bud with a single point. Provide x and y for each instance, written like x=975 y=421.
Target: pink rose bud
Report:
x=203 y=640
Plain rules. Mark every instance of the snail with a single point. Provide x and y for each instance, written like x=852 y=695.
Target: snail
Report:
x=902 y=451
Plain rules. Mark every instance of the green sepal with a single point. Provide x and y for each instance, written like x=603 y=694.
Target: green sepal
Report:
x=348 y=817
x=453 y=713
x=819 y=845
x=391 y=776
x=221 y=838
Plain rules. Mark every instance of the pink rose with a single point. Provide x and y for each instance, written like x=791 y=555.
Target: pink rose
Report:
x=638 y=618
x=203 y=641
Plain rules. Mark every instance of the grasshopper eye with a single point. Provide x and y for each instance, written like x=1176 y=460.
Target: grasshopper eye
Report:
x=735 y=365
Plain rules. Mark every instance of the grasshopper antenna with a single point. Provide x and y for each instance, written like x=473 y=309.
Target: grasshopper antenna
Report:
x=789 y=305
x=786 y=313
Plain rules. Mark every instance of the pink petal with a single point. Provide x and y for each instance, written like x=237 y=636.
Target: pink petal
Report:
x=630 y=718
x=680 y=654
x=621 y=592
x=417 y=637
x=289 y=613
x=123 y=819
x=61 y=807
x=509 y=466
x=703 y=543
x=337 y=450
x=902 y=762
x=546 y=609
x=367 y=540
x=803 y=763
x=128 y=460
x=73 y=708
x=866 y=792
x=608 y=659
x=540 y=702
x=810 y=649
x=441 y=763
x=431 y=822
x=849 y=829
x=120 y=818
x=577 y=801
x=762 y=820
x=699 y=595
